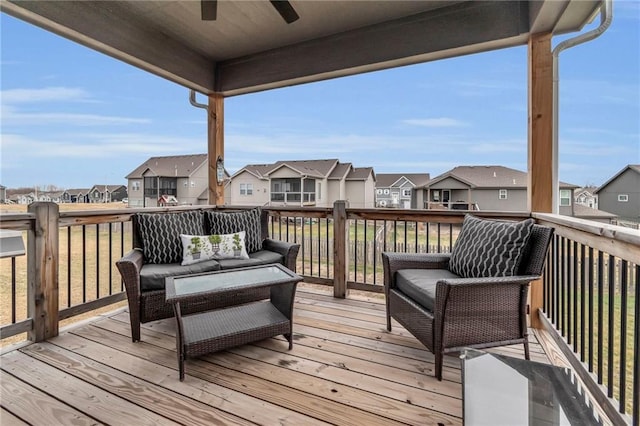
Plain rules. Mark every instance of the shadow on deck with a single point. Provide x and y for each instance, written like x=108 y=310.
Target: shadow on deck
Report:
x=344 y=369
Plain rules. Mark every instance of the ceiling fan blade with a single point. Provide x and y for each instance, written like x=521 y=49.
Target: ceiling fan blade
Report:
x=285 y=10
x=209 y=10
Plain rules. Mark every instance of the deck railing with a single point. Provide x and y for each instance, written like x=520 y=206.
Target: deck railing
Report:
x=69 y=270
x=592 y=304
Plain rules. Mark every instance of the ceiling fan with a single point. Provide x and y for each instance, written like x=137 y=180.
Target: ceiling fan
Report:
x=209 y=10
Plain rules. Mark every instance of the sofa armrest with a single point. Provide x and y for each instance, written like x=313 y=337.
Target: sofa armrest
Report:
x=393 y=262
x=129 y=266
x=289 y=251
x=497 y=281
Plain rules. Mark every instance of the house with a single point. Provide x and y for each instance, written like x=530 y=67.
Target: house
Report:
x=621 y=194
x=586 y=196
x=397 y=190
x=183 y=176
x=486 y=188
x=76 y=195
x=589 y=213
x=303 y=183
x=3 y=194
x=107 y=193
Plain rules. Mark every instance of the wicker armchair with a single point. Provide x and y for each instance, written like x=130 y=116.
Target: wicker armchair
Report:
x=463 y=312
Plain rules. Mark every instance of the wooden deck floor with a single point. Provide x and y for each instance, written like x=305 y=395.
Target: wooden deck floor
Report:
x=344 y=369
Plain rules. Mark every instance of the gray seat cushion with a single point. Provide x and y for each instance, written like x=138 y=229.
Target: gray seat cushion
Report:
x=420 y=284
x=261 y=257
x=152 y=276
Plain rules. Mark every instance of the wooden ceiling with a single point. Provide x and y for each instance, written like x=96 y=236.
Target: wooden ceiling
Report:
x=249 y=47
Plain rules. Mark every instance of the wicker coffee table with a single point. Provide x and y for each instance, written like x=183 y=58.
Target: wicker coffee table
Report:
x=218 y=329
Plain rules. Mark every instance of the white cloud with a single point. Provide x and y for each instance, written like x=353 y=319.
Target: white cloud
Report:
x=97 y=146
x=12 y=117
x=47 y=94
x=435 y=122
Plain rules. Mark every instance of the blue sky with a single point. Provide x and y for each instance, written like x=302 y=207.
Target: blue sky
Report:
x=72 y=117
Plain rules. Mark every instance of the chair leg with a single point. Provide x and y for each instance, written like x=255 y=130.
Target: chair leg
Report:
x=526 y=349
x=134 y=320
x=388 y=320
x=439 y=359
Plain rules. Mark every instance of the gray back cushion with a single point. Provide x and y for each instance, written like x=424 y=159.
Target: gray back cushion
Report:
x=160 y=234
x=489 y=248
x=232 y=222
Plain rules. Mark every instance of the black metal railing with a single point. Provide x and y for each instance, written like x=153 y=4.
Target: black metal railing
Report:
x=591 y=298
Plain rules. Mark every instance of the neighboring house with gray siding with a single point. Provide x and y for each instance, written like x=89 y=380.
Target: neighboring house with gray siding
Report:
x=76 y=195
x=620 y=195
x=183 y=176
x=107 y=193
x=317 y=183
x=496 y=188
x=397 y=190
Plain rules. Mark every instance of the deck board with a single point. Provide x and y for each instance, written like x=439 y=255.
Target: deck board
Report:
x=344 y=369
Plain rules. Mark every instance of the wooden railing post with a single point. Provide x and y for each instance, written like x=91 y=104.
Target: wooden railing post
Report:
x=42 y=272
x=340 y=249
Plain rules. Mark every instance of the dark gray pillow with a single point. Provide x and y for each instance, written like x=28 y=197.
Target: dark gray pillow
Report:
x=232 y=222
x=489 y=248
x=160 y=234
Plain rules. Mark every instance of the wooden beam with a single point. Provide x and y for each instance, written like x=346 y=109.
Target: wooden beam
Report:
x=111 y=28
x=462 y=28
x=42 y=271
x=540 y=144
x=215 y=136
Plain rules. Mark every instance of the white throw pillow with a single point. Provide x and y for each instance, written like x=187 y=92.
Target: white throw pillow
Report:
x=198 y=248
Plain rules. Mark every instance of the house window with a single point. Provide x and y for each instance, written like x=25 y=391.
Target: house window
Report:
x=309 y=191
x=286 y=190
x=386 y=192
x=169 y=186
x=135 y=186
x=623 y=198
x=379 y=191
x=406 y=193
x=151 y=187
x=436 y=195
x=502 y=194
x=565 y=197
x=246 y=189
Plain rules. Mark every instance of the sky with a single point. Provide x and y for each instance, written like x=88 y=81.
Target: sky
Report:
x=72 y=117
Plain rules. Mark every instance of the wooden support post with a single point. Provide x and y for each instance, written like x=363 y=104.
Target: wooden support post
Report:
x=541 y=161
x=340 y=249
x=215 y=136
x=42 y=272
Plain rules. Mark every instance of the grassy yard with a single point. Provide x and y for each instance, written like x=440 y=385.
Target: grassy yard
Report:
x=90 y=265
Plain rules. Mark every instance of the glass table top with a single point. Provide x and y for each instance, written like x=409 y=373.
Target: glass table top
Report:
x=501 y=390
x=217 y=281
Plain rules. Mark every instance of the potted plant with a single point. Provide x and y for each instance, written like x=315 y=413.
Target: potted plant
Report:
x=215 y=243
x=237 y=246
x=196 y=247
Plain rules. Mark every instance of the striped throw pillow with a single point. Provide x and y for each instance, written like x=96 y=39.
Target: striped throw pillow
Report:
x=489 y=248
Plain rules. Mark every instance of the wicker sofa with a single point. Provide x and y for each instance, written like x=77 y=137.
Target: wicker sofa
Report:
x=447 y=312
x=157 y=254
